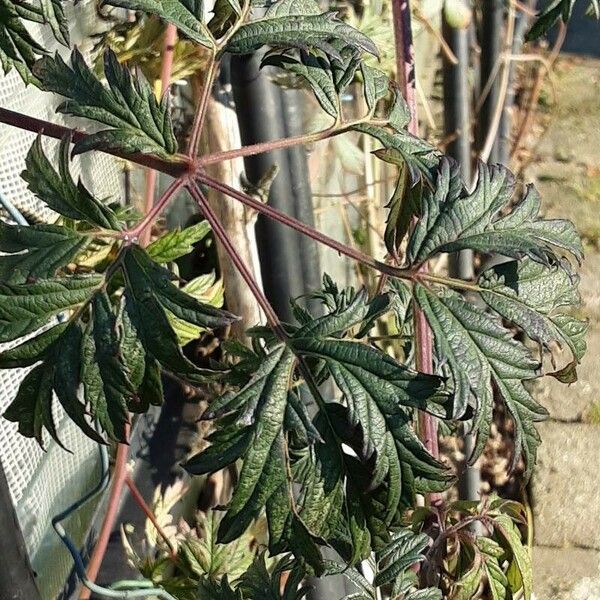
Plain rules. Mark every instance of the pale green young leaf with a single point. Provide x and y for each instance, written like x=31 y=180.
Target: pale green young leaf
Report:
x=138 y=122
x=510 y=538
x=177 y=243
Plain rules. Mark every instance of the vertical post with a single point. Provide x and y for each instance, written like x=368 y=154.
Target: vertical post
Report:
x=17 y=580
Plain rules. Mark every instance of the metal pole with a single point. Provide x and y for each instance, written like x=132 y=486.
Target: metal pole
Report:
x=457 y=121
x=492 y=26
x=258 y=105
x=17 y=579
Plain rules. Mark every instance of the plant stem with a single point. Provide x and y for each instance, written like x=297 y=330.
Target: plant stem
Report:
x=176 y=167
x=201 y=110
x=405 y=67
x=293 y=223
x=139 y=499
x=135 y=233
x=307 y=138
x=170 y=39
x=221 y=235
x=118 y=481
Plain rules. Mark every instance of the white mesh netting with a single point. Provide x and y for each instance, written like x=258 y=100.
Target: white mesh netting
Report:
x=44 y=483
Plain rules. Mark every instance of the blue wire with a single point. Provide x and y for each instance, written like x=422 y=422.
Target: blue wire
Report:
x=73 y=550
x=13 y=211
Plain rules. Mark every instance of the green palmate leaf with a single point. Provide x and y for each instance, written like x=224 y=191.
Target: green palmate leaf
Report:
x=177 y=243
x=137 y=121
x=32 y=406
x=293 y=29
x=24 y=308
x=149 y=291
x=58 y=190
x=54 y=14
x=36 y=252
x=530 y=296
x=453 y=219
x=18 y=49
x=315 y=71
x=186 y=15
x=478 y=352
x=520 y=573
x=404 y=550
x=108 y=389
x=553 y=11
x=263 y=403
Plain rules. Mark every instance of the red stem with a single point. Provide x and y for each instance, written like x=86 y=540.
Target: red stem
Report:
x=405 y=66
x=166 y=70
x=176 y=167
x=301 y=227
x=118 y=480
x=243 y=269
x=139 y=499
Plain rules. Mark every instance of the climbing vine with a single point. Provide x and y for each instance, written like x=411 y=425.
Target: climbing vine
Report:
x=344 y=472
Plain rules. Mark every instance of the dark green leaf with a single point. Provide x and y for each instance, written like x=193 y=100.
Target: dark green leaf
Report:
x=108 y=390
x=143 y=272
x=452 y=220
x=27 y=307
x=18 y=49
x=137 y=121
x=299 y=30
x=208 y=589
x=58 y=190
x=404 y=550
x=36 y=252
x=33 y=350
x=479 y=351
x=186 y=15
x=54 y=15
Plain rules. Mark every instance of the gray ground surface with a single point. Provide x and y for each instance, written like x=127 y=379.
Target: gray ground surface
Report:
x=565 y=490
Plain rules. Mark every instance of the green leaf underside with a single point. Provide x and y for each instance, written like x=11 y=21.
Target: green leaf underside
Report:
x=482 y=356
x=186 y=15
x=533 y=298
x=58 y=190
x=137 y=121
x=452 y=220
x=36 y=252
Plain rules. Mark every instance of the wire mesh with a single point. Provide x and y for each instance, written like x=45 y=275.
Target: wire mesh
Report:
x=43 y=483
